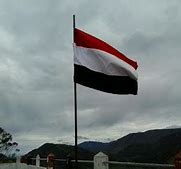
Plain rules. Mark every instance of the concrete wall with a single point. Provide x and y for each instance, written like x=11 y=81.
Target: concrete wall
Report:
x=18 y=166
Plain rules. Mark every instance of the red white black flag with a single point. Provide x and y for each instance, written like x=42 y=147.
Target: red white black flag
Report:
x=100 y=66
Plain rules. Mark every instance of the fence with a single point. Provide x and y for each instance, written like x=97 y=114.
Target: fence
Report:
x=101 y=161
x=19 y=165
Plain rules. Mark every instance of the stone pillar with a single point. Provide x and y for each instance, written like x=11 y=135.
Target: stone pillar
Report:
x=18 y=162
x=101 y=161
x=18 y=159
x=38 y=160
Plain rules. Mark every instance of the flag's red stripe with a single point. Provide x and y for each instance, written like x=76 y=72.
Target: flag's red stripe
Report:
x=85 y=40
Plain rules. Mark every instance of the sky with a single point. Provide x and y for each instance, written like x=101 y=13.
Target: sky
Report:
x=36 y=69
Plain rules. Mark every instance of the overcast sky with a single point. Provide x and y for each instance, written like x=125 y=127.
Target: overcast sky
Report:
x=36 y=69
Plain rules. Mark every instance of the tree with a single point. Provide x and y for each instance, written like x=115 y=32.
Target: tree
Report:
x=6 y=143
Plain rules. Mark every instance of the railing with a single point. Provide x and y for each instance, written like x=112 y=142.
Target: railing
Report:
x=132 y=165
x=149 y=165
x=18 y=165
x=101 y=161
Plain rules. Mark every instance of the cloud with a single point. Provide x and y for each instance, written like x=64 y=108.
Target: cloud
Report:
x=36 y=103
x=83 y=138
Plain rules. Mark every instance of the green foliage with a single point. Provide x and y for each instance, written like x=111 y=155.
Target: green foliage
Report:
x=6 y=143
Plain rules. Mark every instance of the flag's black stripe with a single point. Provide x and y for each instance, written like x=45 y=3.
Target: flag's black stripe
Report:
x=106 y=83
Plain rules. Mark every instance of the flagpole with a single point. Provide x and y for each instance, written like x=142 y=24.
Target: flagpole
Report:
x=75 y=106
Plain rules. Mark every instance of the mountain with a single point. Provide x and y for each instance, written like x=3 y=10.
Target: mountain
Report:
x=60 y=151
x=153 y=146
x=94 y=146
x=157 y=146
x=151 y=137
x=173 y=127
x=161 y=150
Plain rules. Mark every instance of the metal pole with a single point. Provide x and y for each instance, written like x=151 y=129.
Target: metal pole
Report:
x=75 y=107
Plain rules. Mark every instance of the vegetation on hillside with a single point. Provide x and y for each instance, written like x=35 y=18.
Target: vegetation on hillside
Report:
x=6 y=146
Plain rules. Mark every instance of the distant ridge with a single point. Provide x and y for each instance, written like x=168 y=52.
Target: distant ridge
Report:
x=153 y=146
x=158 y=146
x=59 y=150
x=94 y=146
x=173 y=127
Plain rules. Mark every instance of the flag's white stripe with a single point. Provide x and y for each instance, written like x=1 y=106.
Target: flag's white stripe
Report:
x=103 y=62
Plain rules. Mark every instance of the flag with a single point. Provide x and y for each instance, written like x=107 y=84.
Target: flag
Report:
x=100 y=66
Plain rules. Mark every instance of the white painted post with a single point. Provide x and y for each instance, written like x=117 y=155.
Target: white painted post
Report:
x=38 y=160
x=101 y=161
x=18 y=159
